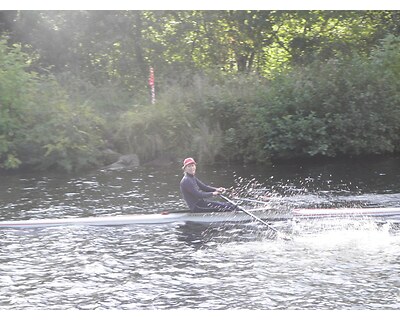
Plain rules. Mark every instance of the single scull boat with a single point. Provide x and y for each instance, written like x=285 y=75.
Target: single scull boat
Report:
x=265 y=213
x=158 y=218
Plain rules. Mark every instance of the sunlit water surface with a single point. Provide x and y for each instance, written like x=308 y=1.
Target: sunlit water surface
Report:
x=337 y=264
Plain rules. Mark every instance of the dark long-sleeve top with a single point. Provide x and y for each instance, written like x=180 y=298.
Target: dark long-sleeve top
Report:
x=193 y=190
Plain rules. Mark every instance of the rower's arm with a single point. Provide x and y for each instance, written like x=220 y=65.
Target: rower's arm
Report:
x=191 y=186
x=204 y=187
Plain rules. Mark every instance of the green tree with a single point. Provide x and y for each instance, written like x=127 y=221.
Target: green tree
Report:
x=16 y=87
x=38 y=124
x=339 y=107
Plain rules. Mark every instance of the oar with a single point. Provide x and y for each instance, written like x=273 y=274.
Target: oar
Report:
x=254 y=217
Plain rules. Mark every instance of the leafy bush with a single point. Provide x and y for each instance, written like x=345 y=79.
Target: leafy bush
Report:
x=347 y=107
x=38 y=125
x=16 y=87
x=60 y=135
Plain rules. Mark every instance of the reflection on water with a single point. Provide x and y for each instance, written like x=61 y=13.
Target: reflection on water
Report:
x=333 y=264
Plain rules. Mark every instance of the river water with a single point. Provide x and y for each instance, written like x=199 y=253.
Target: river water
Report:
x=336 y=264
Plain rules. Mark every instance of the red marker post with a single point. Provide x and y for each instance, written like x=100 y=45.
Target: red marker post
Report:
x=151 y=84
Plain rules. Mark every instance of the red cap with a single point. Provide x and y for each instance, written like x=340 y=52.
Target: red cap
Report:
x=188 y=161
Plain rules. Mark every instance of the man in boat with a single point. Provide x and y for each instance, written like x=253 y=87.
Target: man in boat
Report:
x=195 y=192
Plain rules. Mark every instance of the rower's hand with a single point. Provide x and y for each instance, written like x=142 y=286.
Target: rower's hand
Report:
x=218 y=191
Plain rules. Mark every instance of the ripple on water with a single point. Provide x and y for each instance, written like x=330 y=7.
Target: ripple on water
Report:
x=156 y=267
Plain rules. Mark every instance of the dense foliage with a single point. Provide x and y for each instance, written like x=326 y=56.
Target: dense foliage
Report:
x=340 y=107
x=38 y=126
x=230 y=85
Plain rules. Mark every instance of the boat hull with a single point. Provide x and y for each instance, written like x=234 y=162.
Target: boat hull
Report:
x=139 y=219
x=268 y=214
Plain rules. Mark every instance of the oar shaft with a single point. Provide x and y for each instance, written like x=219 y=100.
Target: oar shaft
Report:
x=249 y=213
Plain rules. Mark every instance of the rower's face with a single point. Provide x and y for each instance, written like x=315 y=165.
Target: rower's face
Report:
x=191 y=168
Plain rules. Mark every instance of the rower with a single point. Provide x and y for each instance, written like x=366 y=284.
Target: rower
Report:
x=195 y=192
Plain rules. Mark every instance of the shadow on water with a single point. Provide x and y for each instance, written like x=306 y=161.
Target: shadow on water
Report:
x=201 y=235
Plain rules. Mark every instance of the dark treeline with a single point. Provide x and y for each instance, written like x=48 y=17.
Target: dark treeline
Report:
x=242 y=86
